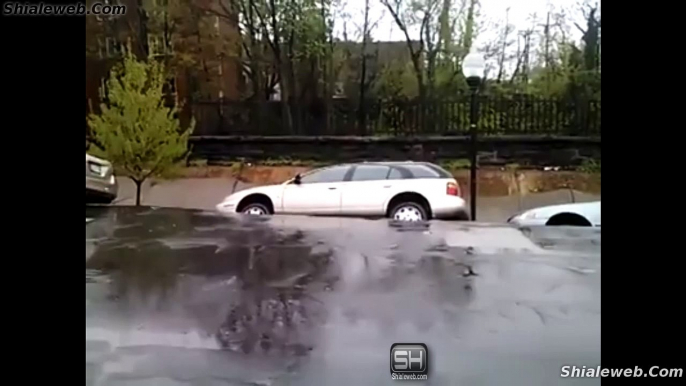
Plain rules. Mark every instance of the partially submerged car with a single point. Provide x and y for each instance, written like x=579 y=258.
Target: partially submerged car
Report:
x=403 y=191
x=101 y=184
x=584 y=214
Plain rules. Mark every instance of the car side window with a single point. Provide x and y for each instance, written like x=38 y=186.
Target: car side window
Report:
x=333 y=174
x=420 y=171
x=399 y=174
x=370 y=173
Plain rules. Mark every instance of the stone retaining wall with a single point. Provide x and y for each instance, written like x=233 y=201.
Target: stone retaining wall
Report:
x=494 y=150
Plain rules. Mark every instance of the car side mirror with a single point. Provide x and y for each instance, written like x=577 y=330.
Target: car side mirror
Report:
x=296 y=180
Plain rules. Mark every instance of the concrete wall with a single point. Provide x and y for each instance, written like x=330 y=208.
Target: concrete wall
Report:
x=495 y=150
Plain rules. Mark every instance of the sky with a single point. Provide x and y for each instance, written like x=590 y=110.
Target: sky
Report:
x=491 y=11
x=519 y=13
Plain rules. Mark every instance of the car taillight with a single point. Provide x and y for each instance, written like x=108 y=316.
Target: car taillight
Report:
x=452 y=189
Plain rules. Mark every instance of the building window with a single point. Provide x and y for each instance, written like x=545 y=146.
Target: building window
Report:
x=157 y=8
x=170 y=86
x=339 y=91
x=157 y=46
x=169 y=91
x=276 y=93
x=109 y=47
x=102 y=90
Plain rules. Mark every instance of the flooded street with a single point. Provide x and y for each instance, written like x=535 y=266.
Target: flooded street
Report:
x=187 y=297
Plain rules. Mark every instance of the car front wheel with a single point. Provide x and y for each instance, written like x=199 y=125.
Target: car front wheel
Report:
x=255 y=209
x=409 y=211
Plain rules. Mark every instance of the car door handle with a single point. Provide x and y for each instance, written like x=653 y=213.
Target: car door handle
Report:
x=332 y=188
x=387 y=186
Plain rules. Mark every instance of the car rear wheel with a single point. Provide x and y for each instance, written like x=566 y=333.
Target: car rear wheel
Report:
x=409 y=211
x=255 y=209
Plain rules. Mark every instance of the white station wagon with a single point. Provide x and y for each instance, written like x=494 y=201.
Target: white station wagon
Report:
x=405 y=191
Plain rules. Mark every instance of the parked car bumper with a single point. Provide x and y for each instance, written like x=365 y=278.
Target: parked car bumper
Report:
x=101 y=189
x=449 y=208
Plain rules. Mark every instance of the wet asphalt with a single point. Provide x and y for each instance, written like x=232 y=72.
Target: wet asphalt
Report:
x=187 y=297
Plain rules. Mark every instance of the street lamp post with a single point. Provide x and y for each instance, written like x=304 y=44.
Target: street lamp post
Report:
x=473 y=68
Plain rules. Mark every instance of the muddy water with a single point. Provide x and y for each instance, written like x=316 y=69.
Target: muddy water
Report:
x=492 y=182
x=186 y=298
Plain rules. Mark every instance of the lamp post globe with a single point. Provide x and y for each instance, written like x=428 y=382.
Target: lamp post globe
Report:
x=473 y=67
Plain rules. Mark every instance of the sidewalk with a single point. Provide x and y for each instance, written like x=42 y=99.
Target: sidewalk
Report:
x=205 y=193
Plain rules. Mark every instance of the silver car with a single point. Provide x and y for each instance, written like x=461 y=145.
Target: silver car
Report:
x=101 y=185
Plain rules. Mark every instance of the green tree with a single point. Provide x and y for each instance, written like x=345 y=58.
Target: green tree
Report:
x=135 y=130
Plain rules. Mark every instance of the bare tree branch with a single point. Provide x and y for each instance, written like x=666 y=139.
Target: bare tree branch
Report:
x=401 y=25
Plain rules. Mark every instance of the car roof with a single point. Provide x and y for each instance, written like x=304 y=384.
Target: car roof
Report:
x=381 y=163
x=393 y=163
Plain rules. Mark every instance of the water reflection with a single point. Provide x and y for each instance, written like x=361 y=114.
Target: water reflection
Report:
x=274 y=286
x=198 y=295
x=269 y=279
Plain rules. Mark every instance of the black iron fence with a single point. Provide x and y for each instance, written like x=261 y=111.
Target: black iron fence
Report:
x=497 y=116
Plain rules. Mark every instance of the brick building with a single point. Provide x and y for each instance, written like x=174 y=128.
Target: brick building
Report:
x=200 y=48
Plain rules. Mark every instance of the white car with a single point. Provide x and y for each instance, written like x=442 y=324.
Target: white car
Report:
x=576 y=214
x=406 y=191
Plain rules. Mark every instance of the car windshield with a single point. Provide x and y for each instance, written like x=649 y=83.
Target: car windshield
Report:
x=313 y=171
x=328 y=174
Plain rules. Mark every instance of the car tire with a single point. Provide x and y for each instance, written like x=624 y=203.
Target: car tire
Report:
x=409 y=211
x=256 y=209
